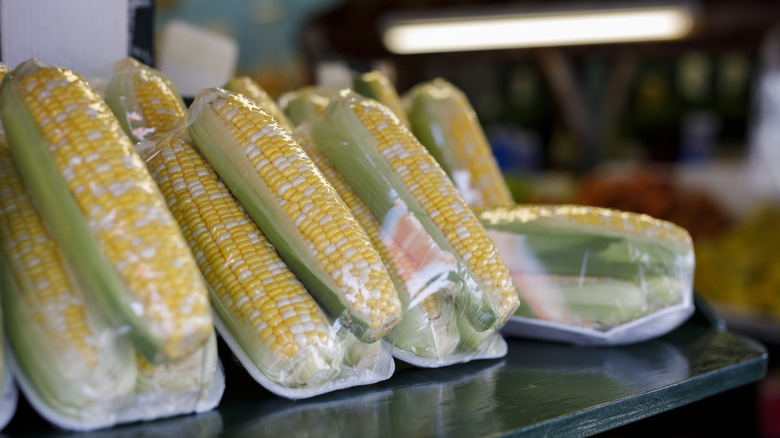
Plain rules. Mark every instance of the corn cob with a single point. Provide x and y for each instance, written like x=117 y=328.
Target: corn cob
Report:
x=144 y=101
x=252 y=90
x=425 y=329
x=380 y=158
x=300 y=105
x=258 y=299
x=443 y=120
x=300 y=213
x=75 y=362
x=105 y=211
x=635 y=264
x=377 y=86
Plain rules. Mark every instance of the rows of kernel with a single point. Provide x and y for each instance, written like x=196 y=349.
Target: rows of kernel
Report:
x=236 y=258
x=121 y=203
x=325 y=223
x=160 y=107
x=250 y=89
x=444 y=204
x=474 y=152
x=397 y=266
x=56 y=307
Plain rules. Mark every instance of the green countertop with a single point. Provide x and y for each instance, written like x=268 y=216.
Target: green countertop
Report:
x=538 y=389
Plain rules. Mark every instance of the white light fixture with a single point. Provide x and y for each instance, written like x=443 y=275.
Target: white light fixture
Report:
x=538 y=29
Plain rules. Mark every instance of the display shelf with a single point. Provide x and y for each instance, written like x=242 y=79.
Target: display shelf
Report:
x=538 y=389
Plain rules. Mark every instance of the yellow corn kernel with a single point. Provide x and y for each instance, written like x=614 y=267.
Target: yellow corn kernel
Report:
x=252 y=90
x=160 y=107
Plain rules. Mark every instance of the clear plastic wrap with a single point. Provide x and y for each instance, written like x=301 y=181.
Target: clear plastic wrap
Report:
x=593 y=276
x=145 y=101
x=442 y=118
x=265 y=315
x=76 y=369
x=453 y=308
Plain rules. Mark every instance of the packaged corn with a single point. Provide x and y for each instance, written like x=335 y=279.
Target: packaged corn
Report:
x=144 y=101
x=593 y=276
x=375 y=85
x=455 y=291
x=105 y=211
x=442 y=118
x=266 y=316
x=76 y=370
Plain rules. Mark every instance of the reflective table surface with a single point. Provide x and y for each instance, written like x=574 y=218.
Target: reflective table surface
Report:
x=538 y=389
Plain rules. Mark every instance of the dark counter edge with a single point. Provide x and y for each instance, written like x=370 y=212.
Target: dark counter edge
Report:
x=637 y=407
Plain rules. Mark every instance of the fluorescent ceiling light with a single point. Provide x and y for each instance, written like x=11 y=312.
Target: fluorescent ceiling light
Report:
x=616 y=25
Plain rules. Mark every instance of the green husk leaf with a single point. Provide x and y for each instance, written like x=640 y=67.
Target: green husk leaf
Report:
x=302 y=104
x=424 y=104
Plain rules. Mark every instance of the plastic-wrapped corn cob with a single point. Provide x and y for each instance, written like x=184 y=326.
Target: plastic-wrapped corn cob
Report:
x=144 y=101
x=297 y=209
x=105 y=211
x=443 y=120
x=592 y=275
x=377 y=86
x=254 y=92
x=420 y=211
